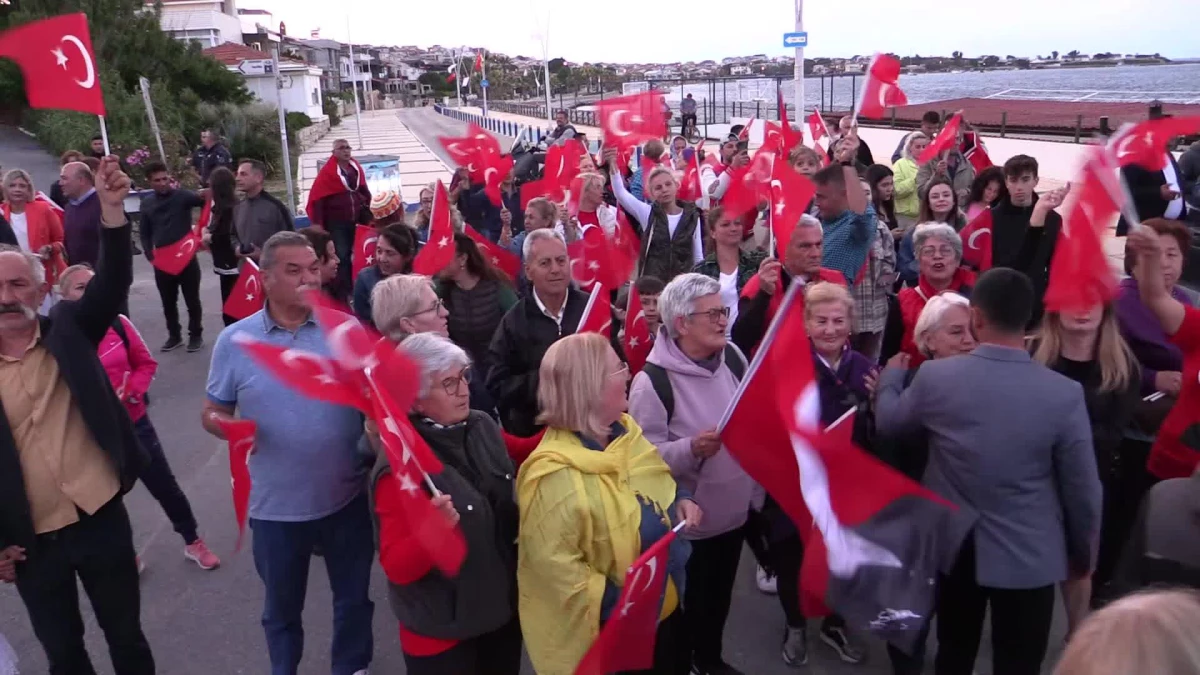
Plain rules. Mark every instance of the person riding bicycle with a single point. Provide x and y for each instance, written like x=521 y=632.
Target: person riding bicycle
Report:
x=687 y=109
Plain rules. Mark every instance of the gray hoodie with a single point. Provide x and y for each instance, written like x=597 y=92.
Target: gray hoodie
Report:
x=719 y=485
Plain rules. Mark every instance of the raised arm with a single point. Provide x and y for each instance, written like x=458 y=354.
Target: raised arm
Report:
x=639 y=208
x=898 y=410
x=108 y=290
x=1148 y=272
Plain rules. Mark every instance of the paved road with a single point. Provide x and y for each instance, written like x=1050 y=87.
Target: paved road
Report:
x=428 y=126
x=201 y=623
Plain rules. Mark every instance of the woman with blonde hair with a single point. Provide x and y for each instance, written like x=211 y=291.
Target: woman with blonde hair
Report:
x=1144 y=634
x=593 y=496
x=672 y=234
x=407 y=304
x=36 y=224
x=1086 y=346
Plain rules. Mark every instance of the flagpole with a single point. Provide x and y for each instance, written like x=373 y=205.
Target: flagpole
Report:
x=283 y=139
x=793 y=290
x=354 y=85
x=798 y=86
x=104 y=135
x=483 y=79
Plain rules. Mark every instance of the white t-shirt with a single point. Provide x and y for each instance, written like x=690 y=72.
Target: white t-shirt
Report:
x=729 y=297
x=20 y=226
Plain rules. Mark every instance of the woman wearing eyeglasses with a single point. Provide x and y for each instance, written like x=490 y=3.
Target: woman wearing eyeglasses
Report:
x=407 y=304
x=466 y=623
x=696 y=370
x=593 y=496
x=939 y=252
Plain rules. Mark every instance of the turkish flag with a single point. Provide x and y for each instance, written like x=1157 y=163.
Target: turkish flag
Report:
x=599 y=258
x=626 y=641
x=1145 y=143
x=497 y=168
x=946 y=139
x=365 y=240
x=977 y=242
x=821 y=154
x=791 y=137
x=975 y=151
x=689 y=187
x=1080 y=276
x=573 y=194
x=476 y=151
x=791 y=193
x=597 y=314
x=881 y=90
x=247 y=295
x=773 y=137
x=172 y=259
x=500 y=258
x=315 y=376
x=439 y=250
x=240 y=436
x=205 y=219
x=750 y=185
x=441 y=539
x=873 y=538
x=55 y=56
x=479 y=62
x=561 y=167
x=637 y=340
x=630 y=120
x=745 y=133
x=816 y=126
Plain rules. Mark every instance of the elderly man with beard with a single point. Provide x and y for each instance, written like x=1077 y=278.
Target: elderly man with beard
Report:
x=308 y=478
x=64 y=464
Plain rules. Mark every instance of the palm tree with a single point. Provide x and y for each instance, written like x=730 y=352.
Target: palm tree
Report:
x=1054 y=55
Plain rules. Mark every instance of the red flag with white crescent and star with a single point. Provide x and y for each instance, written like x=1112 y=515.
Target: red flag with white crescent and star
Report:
x=240 y=436
x=637 y=340
x=1080 y=275
x=629 y=120
x=312 y=375
x=790 y=194
x=439 y=250
x=791 y=137
x=500 y=258
x=173 y=258
x=495 y=169
x=247 y=295
x=1146 y=143
x=977 y=242
x=880 y=88
x=816 y=125
x=946 y=139
x=689 y=186
x=476 y=151
x=626 y=641
x=204 y=220
x=365 y=240
x=55 y=55
x=597 y=313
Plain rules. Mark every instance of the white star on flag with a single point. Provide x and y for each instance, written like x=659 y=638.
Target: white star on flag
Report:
x=249 y=297
x=633 y=342
x=406 y=483
x=593 y=265
x=443 y=242
x=60 y=57
x=370 y=260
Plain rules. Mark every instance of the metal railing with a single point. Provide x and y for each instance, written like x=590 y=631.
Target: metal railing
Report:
x=1098 y=96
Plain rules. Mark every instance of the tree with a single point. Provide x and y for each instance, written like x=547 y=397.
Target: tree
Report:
x=1074 y=53
x=957 y=56
x=1054 y=55
x=557 y=65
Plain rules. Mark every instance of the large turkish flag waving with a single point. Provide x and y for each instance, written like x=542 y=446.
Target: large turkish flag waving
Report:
x=881 y=90
x=629 y=120
x=56 y=57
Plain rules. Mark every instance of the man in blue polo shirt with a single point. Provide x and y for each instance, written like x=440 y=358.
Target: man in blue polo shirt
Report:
x=847 y=218
x=309 y=481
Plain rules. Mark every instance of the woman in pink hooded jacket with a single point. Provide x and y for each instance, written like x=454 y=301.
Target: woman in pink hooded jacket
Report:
x=131 y=368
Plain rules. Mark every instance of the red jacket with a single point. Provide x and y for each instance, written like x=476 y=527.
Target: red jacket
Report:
x=136 y=363
x=912 y=301
x=1172 y=456
x=44 y=223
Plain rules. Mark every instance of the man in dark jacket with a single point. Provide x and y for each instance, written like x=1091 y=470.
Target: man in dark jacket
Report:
x=167 y=218
x=1157 y=194
x=81 y=214
x=1025 y=227
x=552 y=310
x=339 y=201
x=260 y=215
x=210 y=155
x=67 y=524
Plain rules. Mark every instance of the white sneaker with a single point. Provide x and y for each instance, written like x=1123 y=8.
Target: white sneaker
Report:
x=766 y=582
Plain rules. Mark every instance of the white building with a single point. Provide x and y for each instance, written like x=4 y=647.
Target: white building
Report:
x=739 y=70
x=301 y=82
x=209 y=22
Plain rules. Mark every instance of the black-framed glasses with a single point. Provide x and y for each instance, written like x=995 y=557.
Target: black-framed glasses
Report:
x=714 y=315
x=451 y=385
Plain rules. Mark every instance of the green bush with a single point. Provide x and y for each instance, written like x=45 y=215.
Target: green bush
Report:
x=295 y=121
x=330 y=108
x=250 y=131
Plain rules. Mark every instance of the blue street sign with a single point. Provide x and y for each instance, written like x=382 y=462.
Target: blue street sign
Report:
x=795 y=39
x=484 y=84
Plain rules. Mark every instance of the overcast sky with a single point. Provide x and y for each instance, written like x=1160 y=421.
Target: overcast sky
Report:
x=615 y=30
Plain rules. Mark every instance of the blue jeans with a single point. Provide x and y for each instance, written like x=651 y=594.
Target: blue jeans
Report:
x=282 y=551
x=160 y=481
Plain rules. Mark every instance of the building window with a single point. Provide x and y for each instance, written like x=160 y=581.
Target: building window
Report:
x=316 y=100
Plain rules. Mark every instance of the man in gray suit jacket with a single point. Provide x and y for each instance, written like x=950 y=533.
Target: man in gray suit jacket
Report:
x=1011 y=446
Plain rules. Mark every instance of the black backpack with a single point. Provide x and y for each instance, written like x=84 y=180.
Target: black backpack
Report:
x=662 y=383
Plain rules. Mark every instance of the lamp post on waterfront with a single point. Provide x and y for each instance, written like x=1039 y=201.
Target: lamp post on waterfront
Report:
x=354 y=85
x=542 y=35
x=798 y=85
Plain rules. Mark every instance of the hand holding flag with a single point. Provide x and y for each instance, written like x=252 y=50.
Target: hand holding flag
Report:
x=881 y=89
x=629 y=120
x=240 y=436
x=1080 y=275
x=439 y=250
x=946 y=139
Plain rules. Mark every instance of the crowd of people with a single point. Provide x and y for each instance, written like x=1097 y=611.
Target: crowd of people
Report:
x=1065 y=440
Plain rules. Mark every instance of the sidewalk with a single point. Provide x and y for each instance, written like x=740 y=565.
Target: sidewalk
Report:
x=382 y=134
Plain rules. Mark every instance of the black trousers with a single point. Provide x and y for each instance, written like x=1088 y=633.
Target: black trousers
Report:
x=168 y=289
x=1124 y=490
x=228 y=281
x=671 y=648
x=343 y=245
x=494 y=653
x=99 y=551
x=1020 y=622
x=711 y=571
x=160 y=481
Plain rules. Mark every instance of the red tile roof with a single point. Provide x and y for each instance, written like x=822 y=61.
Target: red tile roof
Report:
x=232 y=53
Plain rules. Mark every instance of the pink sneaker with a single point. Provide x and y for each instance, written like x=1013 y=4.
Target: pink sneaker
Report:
x=198 y=553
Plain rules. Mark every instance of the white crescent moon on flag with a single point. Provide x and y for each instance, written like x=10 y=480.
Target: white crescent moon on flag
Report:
x=652 y=565
x=615 y=123
x=90 y=80
x=340 y=347
x=367 y=244
x=241 y=444
x=974 y=235
x=188 y=247
x=292 y=355
x=252 y=285
x=582 y=282
x=487 y=174
x=884 y=88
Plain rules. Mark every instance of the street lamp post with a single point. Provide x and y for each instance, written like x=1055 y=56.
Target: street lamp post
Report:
x=799 y=73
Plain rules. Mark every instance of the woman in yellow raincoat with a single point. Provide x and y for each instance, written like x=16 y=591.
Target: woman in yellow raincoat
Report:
x=593 y=496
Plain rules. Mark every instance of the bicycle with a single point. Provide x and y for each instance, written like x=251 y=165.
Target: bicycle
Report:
x=690 y=130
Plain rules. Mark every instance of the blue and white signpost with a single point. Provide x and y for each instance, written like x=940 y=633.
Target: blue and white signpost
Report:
x=798 y=40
